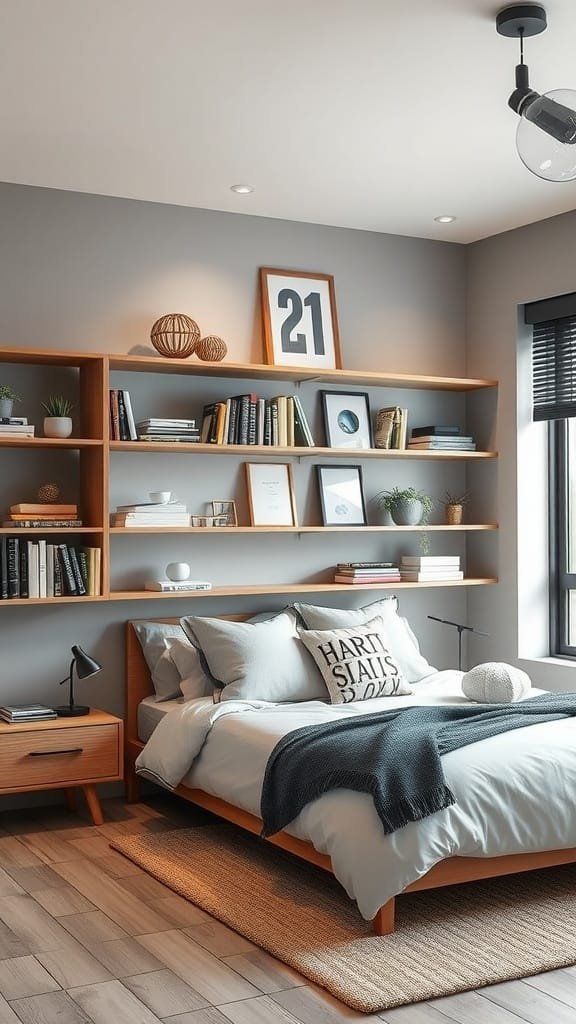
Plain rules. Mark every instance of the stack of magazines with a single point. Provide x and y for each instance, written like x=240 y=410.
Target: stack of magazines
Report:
x=26 y=712
x=168 y=513
x=156 y=429
x=441 y=439
x=367 y=572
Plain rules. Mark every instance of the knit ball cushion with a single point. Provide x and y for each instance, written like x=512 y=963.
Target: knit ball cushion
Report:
x=495 y=682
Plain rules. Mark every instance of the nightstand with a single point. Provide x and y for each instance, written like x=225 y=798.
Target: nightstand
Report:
x=62 y=753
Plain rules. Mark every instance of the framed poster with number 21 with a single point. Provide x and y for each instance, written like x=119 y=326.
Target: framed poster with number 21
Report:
x=300 y=322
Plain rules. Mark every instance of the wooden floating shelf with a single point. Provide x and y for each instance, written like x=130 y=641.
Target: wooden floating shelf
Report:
x=299 y=374
x=40 y=531
x=136 y=530
x=274 y=451
x=50 y=442
x=292 y=588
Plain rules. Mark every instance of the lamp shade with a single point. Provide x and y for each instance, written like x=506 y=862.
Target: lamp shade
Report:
x=546 y=136
x=85 y=665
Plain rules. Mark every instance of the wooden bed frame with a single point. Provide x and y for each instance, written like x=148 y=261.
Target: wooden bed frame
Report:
x=451 y=871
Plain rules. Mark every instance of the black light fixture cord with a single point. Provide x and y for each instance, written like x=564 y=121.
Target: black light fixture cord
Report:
x=521 y=34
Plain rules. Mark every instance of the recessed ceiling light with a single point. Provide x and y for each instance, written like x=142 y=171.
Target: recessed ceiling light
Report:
x=242 y=190
x=445 y=218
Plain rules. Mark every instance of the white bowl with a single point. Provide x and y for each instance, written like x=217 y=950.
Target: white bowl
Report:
x=160 y=497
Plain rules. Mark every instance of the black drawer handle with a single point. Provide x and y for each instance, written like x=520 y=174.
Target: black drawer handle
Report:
x=50 y=753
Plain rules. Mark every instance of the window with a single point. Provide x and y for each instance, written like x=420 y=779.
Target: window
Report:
x=554 y=400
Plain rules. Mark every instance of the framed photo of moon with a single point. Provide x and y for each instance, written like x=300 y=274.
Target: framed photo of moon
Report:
x=341 y=495
x=347 y=419
x=299 y=316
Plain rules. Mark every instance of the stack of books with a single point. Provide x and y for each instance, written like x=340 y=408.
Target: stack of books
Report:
x=248 y=419
x=430 y=568
x=391 y=427
x=26 y=712
x=40 y=569
x=440 y=438
x=36 y=514
x=170 y=513
x=16 y=426
x=367 y=572
x=154 y=429
x=122 y=426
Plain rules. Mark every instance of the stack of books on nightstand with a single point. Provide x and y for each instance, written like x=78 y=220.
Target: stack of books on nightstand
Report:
x=430 y=568
x=440 y=439
x=168 y=513
x=26 y=712
x=358 y=573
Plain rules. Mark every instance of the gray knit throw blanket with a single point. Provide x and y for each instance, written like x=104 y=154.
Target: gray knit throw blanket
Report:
x=394 y=755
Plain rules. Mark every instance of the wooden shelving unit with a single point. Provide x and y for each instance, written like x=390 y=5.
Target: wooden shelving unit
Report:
x=95 y=450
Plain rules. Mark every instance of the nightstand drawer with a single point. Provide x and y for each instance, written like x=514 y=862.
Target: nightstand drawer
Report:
x=52 y=756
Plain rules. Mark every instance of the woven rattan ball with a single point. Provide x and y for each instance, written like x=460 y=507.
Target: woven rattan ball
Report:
x=175 y=335
x=211 y=349
x=48 y=494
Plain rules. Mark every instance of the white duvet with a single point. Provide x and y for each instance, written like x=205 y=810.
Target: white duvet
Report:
x=515 y=793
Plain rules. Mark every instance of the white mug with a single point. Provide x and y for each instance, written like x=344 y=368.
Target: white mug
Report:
x=160 y=497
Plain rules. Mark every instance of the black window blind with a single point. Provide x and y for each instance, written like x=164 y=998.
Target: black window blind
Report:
x=554 y=369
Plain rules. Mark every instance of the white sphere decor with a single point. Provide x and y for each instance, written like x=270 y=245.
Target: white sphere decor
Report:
x=177 y=571
x=495 y=682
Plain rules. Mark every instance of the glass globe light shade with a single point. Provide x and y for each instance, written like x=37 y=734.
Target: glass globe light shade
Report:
x=544 y=155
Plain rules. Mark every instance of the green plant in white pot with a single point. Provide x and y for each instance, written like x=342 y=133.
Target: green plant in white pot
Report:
x=57 y=422
x=7 y=398
x=407 y=507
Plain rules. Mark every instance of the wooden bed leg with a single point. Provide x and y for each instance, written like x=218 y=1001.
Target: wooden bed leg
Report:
x=132 y=783
x=383 y=923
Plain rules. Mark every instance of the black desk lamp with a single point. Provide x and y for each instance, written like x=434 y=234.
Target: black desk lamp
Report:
x=85 y=667
x=461 y=628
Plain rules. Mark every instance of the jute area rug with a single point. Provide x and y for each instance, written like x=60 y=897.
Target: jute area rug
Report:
x=447 y=940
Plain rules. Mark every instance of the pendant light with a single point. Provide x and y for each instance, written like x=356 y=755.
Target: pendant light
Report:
x=546 y=133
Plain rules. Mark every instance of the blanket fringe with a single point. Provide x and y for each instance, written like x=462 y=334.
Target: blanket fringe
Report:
x=400 y=813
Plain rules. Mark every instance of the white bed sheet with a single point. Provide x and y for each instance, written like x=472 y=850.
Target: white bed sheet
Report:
x=151 y=711
x=514 y=792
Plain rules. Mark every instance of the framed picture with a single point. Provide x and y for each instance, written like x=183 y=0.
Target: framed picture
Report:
x=300 y=322
x=224 y=511
x=341 y=495
x=347 y=419
x=271 y=494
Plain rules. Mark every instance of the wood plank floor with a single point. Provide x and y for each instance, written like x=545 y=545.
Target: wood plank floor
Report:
x=86 y=937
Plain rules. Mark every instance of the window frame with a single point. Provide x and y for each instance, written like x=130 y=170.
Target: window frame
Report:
x=561 y=580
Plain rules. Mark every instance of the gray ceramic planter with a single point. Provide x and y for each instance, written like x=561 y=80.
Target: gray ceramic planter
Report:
x=407 y=513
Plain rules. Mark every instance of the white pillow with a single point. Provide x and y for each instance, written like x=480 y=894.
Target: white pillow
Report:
x=257 y=660
x=194 y=682
x=355 y=662
x=399 y=637
x=153 y=638
x=495 y=682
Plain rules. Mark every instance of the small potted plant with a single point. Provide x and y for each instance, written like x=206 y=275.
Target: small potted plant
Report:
x=407 y=507
x=7 y=398
x=454 y=506
x=58 y=422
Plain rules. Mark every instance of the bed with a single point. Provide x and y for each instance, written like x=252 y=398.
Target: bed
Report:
x=143 y=714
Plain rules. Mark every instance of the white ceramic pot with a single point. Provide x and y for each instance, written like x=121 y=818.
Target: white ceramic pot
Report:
x=57 y=426
x=6 y=407
x=177 y=571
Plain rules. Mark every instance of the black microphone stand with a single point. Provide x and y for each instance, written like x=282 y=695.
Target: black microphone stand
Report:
x=461 y=628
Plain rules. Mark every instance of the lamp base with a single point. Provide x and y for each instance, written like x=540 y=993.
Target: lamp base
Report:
x=67 y=711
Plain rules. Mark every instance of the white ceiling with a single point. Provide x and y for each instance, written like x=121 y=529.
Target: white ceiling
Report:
x=376 y=114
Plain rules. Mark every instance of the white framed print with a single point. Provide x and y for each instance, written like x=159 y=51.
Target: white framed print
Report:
x=271 y=496
x=300 y=322
x=341 y=495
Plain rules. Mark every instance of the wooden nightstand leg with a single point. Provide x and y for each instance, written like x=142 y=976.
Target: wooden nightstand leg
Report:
x=70 y=797
x=93 y=805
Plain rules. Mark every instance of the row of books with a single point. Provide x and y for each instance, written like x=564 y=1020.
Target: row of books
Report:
x=171 y=513
x=391 y=427
x=30 y=568
x=248 y=419
x=441 y=438
x=16 y=426
x=36 y=514
x=358 y=573
x=26 y=712
x=122 y=425
x=430 y=568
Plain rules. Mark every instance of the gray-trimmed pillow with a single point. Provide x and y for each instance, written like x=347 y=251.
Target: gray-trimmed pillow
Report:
x=194 y=681
x=356 y=663
x=257 y=660
x=399 y=637
x=153 y=637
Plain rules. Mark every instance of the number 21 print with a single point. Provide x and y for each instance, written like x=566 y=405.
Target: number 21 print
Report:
x=300 y=322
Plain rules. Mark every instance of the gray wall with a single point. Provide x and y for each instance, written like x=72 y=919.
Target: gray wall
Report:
x=503 y=273
x=88 y=272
